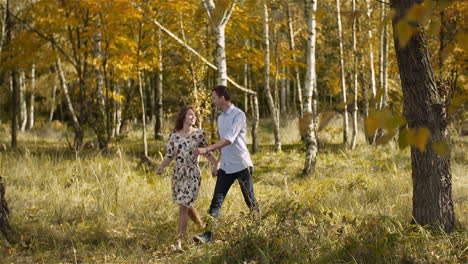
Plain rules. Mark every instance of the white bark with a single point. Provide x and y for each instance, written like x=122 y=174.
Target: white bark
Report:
x=159 y=91
x=54 y=94
x=63 y=85
x=31 y=98
x=383 y=59
x=218 y=20
x=343 y=80
x=298 y=89
x=310 y=85
x=22 y=100
x=118 y=111
x=143 y=114
x=355 y=82
x=270 y=101
x=371 y=53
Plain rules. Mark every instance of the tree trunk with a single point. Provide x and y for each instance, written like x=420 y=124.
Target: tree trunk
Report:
x=22 y=100
x=373 y=86
x=343 y=78
x=297 y=81
x=255 y=114
x=31 y=98
x=143 y=114
x=309 y=121
x=270 y=101
x=423 y=107
x=118 y=111
x=52 y=105
x=13 y=79
x=355 y=82
x=99 y=106
x=159 y=92
x=76 y=125
x=383 y=60
x=14 y=108
x=4 y=212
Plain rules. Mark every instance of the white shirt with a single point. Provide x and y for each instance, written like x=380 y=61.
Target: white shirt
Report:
x=232 y=126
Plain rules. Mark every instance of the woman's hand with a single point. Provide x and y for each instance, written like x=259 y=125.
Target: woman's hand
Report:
x=160 y=169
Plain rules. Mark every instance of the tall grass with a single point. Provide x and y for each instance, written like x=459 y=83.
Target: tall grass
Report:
x=94 y=208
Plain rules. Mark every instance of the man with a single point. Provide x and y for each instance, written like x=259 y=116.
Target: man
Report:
x=234 y=162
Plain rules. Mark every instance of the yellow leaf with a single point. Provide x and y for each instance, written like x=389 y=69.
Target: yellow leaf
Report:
x=462 y=40
x=324 y=119
x=418 y=138
x=442 y=4
x=404 y=31
x=403 y=138
x=440 y=147
x=372 y=124
x=385 y=138
x=420 y=12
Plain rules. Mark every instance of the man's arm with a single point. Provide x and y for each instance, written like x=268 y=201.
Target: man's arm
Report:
x=200 y=151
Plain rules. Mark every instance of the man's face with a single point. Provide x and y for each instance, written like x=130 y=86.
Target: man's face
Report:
x=217 y=101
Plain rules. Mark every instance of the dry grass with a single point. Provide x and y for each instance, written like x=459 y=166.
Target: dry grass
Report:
x=95 y=208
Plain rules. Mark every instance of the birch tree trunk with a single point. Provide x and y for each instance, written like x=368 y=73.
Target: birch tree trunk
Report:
x=159 y=92
x=22 y=100
x=143 y=114
x=99 y=108
x=118 y=111
x=355 y=81
x=52 y=105
x=423 y=107
x=270 y=101
x=373 y=86
x=383 y=59
x=218 y=20
x=309 y=121
x=31 y=98
x=255 y=114
x=343 y=78
x=297 y=81
x=76 y=125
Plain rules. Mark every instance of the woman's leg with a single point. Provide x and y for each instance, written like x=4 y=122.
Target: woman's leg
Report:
x=193 y=214
x=183 y=221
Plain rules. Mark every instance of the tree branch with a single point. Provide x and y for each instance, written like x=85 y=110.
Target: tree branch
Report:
x=172 y=35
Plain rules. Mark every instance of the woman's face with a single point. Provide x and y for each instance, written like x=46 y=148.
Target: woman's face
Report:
x=190 y=117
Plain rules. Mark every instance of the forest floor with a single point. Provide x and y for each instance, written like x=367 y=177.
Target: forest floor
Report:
x=95 y=208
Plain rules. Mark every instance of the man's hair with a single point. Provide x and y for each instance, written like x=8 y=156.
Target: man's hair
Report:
x=222 y=90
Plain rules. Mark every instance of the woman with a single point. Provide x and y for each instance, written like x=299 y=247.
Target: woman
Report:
x=186 y=178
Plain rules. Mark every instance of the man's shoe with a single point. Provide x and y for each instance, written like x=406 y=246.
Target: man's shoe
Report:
x=204 y=238
x=177 y=246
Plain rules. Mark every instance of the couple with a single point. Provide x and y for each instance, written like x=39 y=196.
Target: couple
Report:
x=234 y=163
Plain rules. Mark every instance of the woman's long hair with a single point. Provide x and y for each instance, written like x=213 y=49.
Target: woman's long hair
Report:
x=179 y=123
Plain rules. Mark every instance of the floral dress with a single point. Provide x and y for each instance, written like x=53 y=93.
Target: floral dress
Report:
x=186 y=178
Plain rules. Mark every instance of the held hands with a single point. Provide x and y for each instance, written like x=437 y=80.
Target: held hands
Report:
x=200 y=151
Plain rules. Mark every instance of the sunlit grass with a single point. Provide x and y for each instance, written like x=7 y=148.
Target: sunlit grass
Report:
x=100 y=208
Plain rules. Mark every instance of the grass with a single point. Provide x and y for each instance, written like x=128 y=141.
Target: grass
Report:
x=94 y=208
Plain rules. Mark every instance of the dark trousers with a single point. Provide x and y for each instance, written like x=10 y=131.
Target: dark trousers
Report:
x=223 y=184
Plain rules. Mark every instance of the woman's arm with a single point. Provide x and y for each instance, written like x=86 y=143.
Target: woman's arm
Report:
x=165 y=162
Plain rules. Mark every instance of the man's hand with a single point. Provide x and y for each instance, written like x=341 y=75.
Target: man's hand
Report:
x=214 y=172
x=200 y=151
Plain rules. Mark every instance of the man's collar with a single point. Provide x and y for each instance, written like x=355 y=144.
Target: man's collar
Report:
x=229 y=110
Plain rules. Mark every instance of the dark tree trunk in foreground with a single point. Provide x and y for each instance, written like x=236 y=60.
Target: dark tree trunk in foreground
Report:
x=423 y=107
x=4 y=212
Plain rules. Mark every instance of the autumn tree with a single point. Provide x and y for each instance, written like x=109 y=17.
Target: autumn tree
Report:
x=423 y=109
